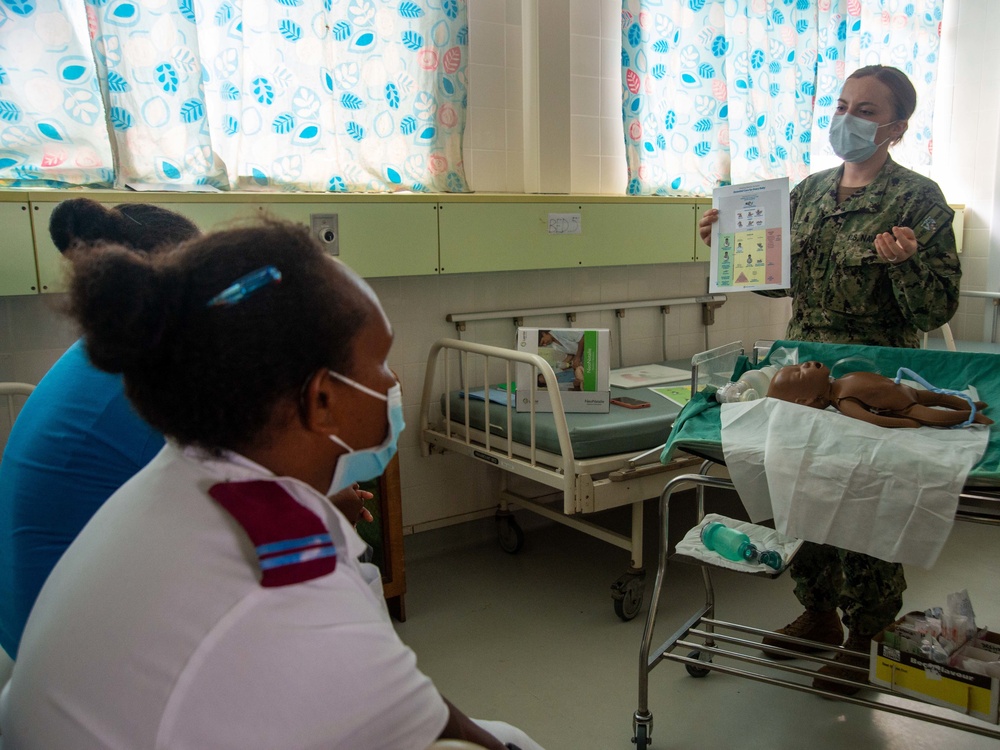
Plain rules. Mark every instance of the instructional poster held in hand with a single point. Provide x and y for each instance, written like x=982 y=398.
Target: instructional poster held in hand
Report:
x=751 y=241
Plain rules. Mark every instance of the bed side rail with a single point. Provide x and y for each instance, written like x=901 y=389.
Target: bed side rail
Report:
x=483 y=444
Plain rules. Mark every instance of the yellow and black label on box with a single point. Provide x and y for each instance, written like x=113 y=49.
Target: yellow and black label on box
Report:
x=917 y=677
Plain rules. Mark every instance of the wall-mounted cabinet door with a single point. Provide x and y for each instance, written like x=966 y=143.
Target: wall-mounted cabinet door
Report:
x=516 y=236
x=375 y=239
x=52 y=266
x=17 y=251
x=701 y=250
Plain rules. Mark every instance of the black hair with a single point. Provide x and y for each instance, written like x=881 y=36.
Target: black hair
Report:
x=138 y=226
x=212 y=376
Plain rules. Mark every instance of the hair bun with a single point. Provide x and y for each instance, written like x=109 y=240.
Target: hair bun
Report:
x=122 y=301
x=81 y=220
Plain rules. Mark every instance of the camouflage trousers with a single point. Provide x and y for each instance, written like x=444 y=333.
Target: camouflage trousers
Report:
x=868 y=591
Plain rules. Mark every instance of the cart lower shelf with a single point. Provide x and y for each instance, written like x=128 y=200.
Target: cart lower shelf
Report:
x=704 y=645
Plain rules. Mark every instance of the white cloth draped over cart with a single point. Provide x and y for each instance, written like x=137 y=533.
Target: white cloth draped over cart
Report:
x=832 y=479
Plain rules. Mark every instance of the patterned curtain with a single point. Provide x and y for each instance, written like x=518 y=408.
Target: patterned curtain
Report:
x=721 y=91
x=338 y=95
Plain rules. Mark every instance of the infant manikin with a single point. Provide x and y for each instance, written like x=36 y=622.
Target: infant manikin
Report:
x=873 y=398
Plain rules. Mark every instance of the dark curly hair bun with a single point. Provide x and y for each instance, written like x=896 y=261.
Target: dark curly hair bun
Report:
x=139 y=226
x=80 y=220
x=212 y=375
x=122 y=300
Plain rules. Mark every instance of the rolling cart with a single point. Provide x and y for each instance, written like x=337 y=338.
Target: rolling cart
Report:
x=704 y=643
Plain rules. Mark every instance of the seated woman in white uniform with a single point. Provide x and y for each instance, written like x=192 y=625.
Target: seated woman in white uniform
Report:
x=216 y=599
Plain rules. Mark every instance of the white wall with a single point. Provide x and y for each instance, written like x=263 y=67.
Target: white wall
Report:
x=966 y=132
x=441 y=489
x=495 y=144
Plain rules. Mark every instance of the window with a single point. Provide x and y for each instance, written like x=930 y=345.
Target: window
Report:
x=340 y=95
x=721 y=91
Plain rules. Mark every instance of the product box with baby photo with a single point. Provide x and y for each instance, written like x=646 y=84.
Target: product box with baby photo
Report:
x=580 y=358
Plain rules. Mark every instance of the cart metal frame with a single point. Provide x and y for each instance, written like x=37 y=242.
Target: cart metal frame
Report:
x=708 y=637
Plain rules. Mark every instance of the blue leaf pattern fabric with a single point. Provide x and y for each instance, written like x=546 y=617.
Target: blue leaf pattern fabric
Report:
x=343 y=96
x=728 y=91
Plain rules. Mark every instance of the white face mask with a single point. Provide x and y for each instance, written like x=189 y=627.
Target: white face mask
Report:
x=368 y=463
x=853 y=139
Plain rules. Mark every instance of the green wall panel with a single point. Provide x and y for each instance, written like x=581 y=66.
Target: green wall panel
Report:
x=17 y=255
x=516 y=236
x=206 y=214
x=702 y=251
x=378 y=238
x=410 y=235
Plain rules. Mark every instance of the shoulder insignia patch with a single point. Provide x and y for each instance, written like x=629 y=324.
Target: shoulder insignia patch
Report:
x=936 y=218
x=292 y=543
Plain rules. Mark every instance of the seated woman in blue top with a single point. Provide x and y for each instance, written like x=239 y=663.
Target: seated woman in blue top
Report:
x=77 y=439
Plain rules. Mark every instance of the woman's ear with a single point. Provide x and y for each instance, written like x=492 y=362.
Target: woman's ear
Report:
x=898 y=128
x=316 y=408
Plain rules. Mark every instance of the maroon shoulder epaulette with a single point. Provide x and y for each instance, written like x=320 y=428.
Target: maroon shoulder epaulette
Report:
x=292 y=543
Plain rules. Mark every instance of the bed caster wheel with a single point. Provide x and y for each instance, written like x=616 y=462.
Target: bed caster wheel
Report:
x=509 y=534
x=697 y=671
x=626 y=593
x=641 y=738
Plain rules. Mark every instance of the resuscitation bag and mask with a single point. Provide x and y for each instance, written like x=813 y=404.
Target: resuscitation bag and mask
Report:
x=753 y=384
x=853 y=138
x=368 y=463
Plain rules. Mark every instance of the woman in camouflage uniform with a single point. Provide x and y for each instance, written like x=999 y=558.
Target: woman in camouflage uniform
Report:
x=873 y=261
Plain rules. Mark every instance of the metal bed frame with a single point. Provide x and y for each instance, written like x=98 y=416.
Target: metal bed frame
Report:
x=707 y=639
x=583 y=485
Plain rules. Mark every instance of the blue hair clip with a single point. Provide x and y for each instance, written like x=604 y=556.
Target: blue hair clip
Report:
x=244 y=286
x=913 y=376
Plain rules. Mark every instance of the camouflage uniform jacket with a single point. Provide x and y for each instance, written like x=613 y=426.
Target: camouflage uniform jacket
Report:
x=842 y=292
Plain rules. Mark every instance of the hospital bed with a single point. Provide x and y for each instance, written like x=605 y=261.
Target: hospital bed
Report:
x=705 y=643
x=585 y=462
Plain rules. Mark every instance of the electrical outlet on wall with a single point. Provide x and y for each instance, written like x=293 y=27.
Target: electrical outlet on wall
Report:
x=326 y=231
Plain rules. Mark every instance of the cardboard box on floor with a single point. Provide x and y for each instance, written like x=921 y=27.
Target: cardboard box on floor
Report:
x=583 y=389
x=969 y=693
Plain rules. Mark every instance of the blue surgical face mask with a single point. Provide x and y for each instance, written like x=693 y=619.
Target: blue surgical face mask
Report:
x=368 y=463
x=853 y=139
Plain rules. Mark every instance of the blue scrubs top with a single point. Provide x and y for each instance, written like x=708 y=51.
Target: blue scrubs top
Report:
x=75 y=442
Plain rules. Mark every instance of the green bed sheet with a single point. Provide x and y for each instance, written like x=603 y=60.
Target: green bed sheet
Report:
x=698 y=429
x=619 y=431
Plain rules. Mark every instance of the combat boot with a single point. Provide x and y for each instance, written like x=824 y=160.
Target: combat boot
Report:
x=822 y=627
x=843 y=669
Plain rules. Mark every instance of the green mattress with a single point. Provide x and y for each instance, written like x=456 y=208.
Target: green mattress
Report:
x=619 y=431
x=698 y=429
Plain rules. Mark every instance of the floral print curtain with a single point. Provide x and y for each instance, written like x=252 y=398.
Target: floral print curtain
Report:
x=333 y=95
x=729 y=91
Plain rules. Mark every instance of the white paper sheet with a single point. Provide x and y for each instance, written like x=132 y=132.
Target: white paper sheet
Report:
x=642 y=376
x=751 y=241
x=832 y=479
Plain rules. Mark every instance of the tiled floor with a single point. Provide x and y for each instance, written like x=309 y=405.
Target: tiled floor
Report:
x=532 y=639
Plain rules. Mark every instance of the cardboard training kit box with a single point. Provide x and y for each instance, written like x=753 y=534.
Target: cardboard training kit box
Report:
x=581 y=360
x=970 y=693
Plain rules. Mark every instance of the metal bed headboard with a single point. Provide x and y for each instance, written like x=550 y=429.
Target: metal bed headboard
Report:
x=709 y=302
